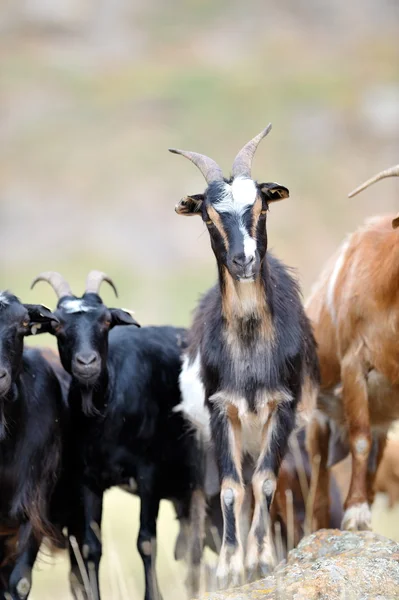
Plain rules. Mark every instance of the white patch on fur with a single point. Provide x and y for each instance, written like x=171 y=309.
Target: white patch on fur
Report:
x=357 y=518
x=361 y=445
x=237 y=198
x=333 y=280
x=3 y=299
x=76 y=306
x=193 y=397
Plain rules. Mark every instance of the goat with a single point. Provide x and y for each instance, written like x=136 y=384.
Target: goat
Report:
x=251 y=353
x=31 y=413
x=354 y=311
x=124 y=387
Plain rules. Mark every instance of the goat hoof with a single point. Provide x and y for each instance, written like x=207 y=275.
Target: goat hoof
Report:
x=222 y=581
x=264 y=569
x=357 y=518
x=251 y=575
x=193 y=581
x=236 y=579
x=23 y=588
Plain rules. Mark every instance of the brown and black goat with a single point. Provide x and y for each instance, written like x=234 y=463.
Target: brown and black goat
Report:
x=251 y=353
x=354 y=309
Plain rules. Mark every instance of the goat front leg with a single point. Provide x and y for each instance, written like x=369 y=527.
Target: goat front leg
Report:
x=146 y=541
x=92 y=546
x=375 y=457
x=260 y=550
x=317 y=442
x=357 y=514
x=20 y=581
x=85 y=526
x=226 y=434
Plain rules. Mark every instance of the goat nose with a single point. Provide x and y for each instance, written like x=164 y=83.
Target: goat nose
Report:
x=240 y=260
x=86 y=359
x=3 y=373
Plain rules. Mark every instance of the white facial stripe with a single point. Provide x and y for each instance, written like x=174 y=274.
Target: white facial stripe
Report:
x=76 y=306
x=238 y=197
x=249 y=242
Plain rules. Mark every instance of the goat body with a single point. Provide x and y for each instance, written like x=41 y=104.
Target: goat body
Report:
x=354 y=309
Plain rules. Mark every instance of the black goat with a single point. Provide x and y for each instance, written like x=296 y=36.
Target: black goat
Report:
x=251 y=354
x=124 y=387
x=31 y=413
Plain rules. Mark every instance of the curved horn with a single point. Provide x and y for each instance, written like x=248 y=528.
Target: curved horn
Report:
x=243 y=161
x=94 y=281
x=57 y=282
x=208 y=167
x=392 y=172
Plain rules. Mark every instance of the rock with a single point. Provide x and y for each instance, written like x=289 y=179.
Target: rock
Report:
x=329 y=565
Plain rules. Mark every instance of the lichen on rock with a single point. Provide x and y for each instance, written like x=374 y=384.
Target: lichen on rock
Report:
x=329 y=565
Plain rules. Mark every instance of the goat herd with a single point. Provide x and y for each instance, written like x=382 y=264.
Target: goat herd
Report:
x=204 y=417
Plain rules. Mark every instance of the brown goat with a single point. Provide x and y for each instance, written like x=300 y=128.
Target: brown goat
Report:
x=354 y=309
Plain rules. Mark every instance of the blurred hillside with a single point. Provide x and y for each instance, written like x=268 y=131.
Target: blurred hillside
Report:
x=93 y=93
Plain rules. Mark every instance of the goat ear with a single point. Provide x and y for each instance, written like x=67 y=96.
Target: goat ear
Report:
x=395 y=222
x=119 y=316
x=190 y=205
x=41 y=319
x=274 y=191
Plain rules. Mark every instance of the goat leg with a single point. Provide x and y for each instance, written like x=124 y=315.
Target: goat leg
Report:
x=357 y=514
x=146 y=541
x=260 y=546
x=20 y=581
x=226 y=433
x=317 y=442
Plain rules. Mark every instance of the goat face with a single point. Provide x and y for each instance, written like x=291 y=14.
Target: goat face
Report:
x=234 y=210
x=16 y=321
x=82 y=335
x=235 y=215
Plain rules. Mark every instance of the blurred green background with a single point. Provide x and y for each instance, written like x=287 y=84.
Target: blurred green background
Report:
x=92 y=93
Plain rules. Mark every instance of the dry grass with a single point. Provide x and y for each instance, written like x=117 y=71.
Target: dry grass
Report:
x=121 y=569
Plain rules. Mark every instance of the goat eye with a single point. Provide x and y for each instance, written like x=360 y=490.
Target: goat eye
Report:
x=25 y=323
x=56 y=326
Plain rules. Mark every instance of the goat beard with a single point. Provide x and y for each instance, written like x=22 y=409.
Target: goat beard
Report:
x=87 y=402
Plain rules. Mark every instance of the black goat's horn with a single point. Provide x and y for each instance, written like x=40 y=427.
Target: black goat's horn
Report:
x=243 y=161
x=94 y=281
x=57 y=282
x=392 y=172
x=208 y=167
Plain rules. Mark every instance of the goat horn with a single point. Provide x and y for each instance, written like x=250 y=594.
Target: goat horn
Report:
x=208 y=167
x=243 y=161
x=392 y=172
x=57 y=282
x=94 y=281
